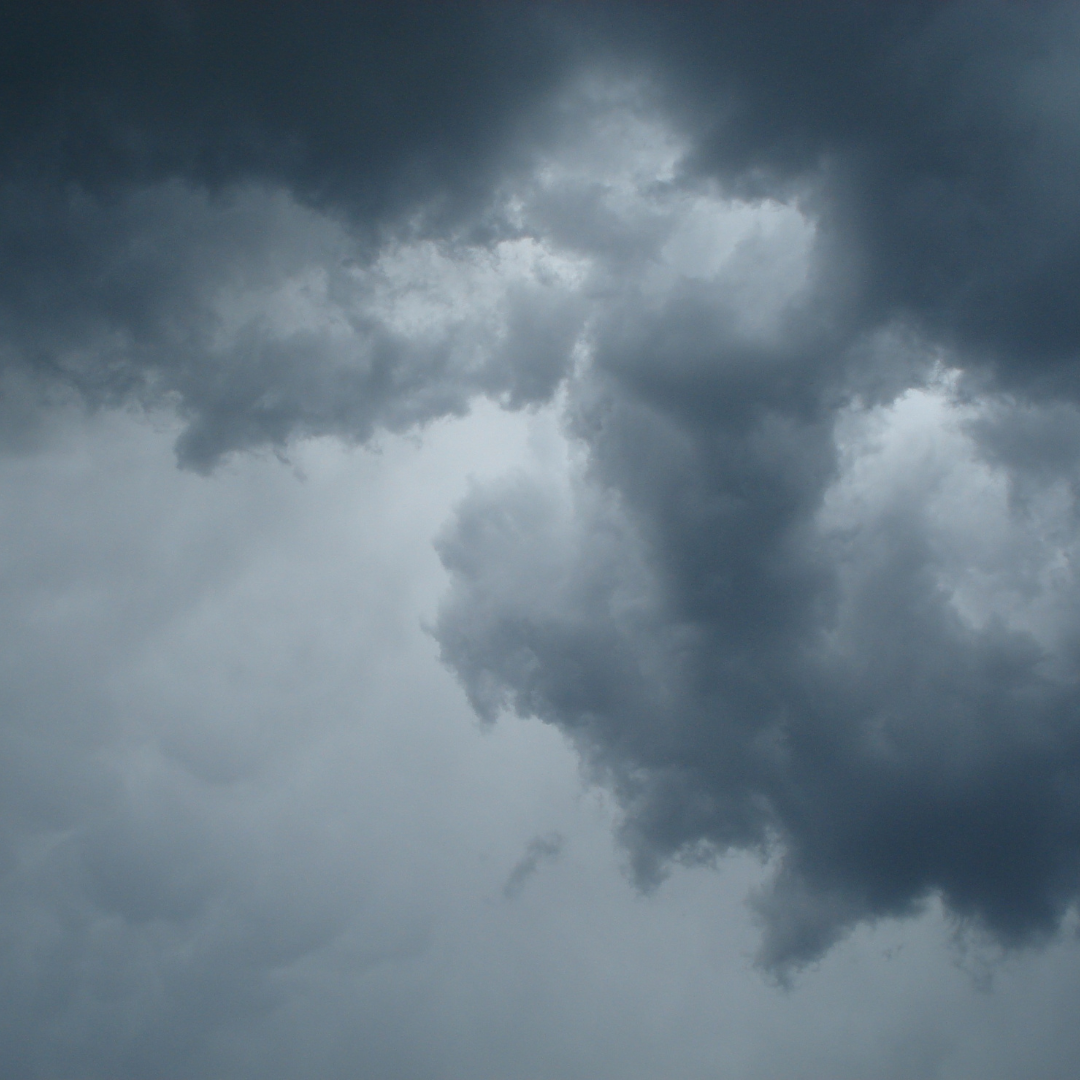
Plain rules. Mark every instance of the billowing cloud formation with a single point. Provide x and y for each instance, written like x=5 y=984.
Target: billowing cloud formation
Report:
x=805 y=276
x=811 y=591
x=208 y=208
x=248 y=312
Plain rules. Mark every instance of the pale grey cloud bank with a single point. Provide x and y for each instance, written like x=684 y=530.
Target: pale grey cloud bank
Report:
x=728 y=354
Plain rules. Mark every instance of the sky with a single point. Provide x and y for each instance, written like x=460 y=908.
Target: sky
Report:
x=539 y=540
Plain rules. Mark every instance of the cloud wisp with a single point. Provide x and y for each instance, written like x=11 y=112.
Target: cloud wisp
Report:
x=540 y=849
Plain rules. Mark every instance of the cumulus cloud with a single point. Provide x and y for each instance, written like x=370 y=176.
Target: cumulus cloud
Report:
x=802 y=280
x=250 y=315
x=806 y=593
x=209 y=208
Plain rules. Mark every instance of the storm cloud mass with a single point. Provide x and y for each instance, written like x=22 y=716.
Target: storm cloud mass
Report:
x=728 y=352
x=784 y=637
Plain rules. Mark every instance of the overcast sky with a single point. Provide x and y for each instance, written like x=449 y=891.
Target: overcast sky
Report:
x=539 y=541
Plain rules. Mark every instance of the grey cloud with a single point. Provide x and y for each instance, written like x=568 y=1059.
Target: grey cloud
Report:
x=161 y=163
x=539 y=849
x=939 y=139
x=852 y=692
x=260 y=220
x=381 y=107
x=745 y=678
x=934 y=147
x=167 y=883
x=247 y=313
x=934 y=144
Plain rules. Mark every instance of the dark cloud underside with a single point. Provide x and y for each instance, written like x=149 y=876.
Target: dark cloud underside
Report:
x=755 y=678
x=756 y=624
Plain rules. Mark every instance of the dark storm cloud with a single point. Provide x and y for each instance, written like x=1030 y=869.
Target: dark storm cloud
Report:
x=207 y=205
x=944 y=137
x=248 y=313
x=158 y=160
x=376 y=106
x=936 y=144
x=742 y=669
